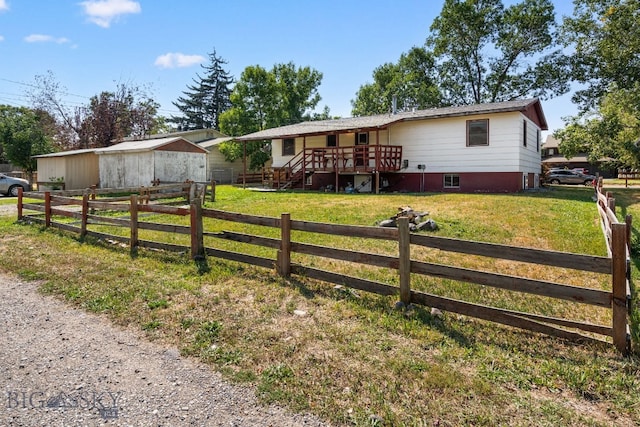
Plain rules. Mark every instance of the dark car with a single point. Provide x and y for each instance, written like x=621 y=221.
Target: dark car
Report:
x=566 y=176
x=9 y=185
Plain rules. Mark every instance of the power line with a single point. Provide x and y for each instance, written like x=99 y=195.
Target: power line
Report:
x=39 y=87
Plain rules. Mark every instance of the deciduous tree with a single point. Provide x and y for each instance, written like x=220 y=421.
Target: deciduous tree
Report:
x=264 y=99
x=488 y=53
x=412 y=81
x=22 y=135
x=107 y=118
x=605 y=38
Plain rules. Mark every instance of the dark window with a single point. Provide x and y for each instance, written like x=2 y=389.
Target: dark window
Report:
x=477 y=132
x=288 y=147
x=524 y=133
x=362 y=138
x=538 y=140
x=451 y=181
x=332 y=141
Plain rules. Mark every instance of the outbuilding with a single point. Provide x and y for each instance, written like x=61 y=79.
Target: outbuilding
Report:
x=71 y=170
x=139 y=163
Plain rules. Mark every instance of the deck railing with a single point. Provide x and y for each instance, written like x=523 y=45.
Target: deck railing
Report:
x=353 y=159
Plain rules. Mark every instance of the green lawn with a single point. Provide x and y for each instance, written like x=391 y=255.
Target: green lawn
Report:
x=349 y=355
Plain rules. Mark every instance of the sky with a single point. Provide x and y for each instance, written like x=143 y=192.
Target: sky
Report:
x=92 y=46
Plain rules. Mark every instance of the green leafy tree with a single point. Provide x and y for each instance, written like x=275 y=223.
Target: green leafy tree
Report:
x=264 y=99
x=23 y=135
x=205 y=100
x=611 y=131
x=605 y=38
x=488 y=53
x=412 y=81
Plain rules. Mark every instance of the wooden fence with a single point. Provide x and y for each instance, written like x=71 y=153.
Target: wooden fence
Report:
x=616 y=265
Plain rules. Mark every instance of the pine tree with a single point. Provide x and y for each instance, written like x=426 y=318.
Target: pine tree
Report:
x=206 y=99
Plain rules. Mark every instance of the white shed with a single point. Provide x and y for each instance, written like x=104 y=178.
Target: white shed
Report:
x=139 y=163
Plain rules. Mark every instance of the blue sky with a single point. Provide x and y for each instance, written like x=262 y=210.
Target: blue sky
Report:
x=90 y=46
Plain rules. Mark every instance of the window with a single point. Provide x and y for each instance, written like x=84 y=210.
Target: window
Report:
x=538 y=140
x=524 y=133
x=451 y=180
x=332 y=141
x=477 y=132
x=362 y=138
x=288 y=147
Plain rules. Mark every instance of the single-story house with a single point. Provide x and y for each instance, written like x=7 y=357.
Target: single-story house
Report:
x=493 y=147
x=140 y=162
x=76 y=169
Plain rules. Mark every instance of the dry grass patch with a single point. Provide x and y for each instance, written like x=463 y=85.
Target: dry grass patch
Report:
x=348 y=356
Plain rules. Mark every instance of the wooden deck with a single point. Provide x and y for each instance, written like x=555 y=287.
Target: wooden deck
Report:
x=339 y=160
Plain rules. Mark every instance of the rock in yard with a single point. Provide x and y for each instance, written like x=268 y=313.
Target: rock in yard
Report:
x=427 y=225
x=388 y=223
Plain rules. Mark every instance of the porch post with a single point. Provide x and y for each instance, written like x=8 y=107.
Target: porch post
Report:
x=378 y=161
x=335 y=160
x=244 y=164
x=304 y=162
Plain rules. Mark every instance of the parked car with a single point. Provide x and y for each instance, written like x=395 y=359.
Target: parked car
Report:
x=9 y=185
x=566 y=176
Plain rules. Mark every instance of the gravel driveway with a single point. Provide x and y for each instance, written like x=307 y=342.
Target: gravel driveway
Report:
x=61 y=366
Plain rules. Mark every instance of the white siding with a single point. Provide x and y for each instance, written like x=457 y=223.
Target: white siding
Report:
x=441 y=144
x=126 y=170
x=179 y=166
x=530 y=157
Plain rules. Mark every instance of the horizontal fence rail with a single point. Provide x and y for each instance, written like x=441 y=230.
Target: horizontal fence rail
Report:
x=85 y=210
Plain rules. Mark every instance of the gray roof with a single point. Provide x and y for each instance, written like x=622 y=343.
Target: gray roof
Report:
x=213 y=142
x=66 y=153
x=142 y=145
x=382 y=121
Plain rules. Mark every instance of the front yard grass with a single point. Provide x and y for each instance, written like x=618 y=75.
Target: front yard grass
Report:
x=349 y=356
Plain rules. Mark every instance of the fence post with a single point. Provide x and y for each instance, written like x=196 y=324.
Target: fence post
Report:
x=192 y=193
x=404 y=258
x=47 y=208
x=284 y=253
x=85 y=213
x=197 y=230
x=213 y=190
x=629 y=221
x=133 y=213
x=619 y=286
x=19 y=203
x=611 y=203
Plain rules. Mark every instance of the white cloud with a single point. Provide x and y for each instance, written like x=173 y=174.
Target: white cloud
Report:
x=1 y=38
x=43 y=38
x=3 y=5
x=102 y=12
x=178 y=60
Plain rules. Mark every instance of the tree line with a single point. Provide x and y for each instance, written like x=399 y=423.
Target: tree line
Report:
x=476 y=51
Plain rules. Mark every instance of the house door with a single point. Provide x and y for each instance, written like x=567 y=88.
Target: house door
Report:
x=362 y=149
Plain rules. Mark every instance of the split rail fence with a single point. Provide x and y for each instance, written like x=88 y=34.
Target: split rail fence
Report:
x=616 y=265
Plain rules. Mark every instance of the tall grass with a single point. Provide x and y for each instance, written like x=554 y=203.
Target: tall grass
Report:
x=349 y=356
